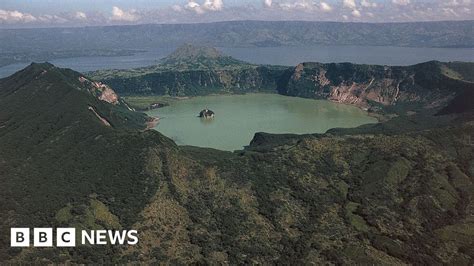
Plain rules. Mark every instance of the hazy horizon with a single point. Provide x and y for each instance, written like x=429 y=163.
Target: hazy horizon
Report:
x=75 y=13
x=223 y=21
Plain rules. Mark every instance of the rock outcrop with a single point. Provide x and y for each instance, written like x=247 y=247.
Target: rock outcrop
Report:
x=206 y=113
x=426 y=85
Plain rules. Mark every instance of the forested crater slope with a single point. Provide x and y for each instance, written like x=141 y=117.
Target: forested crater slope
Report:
x=193 y=70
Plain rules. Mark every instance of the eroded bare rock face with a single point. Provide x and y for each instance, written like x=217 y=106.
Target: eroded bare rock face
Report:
x=366 y=86
x=108 y=95
x=102 y=91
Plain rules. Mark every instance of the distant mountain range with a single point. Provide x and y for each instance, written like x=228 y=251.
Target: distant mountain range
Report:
x=51 y=43
x=193 y=70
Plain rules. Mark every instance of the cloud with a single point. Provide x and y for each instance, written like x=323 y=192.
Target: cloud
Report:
x=325 y=7
x=450 y=12
x=457 y=3
x=356 y=13
x=192 y=11
x=401 y=2
x=80 y=15
x=366 y=3
x=208 y=5
x=213 y=5
x=352 y=5
x=267 y=3
x=306 y=6
x=121 y=15
x=52 y=19
x=176 y=8
x=15 y=16
x=300 y=4
x=194 y=6
x=349 y=4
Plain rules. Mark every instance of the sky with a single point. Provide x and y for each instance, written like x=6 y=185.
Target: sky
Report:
x=57 y=13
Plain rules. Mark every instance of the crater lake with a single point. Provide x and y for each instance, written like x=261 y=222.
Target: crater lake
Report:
x=239 y=117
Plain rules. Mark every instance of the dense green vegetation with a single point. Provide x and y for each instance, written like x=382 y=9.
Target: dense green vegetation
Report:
x=393 y=193
x=55 y=152
x=192 y=71
x=144 y=103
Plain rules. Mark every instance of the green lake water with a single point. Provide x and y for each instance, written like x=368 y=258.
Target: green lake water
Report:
x=239 y=117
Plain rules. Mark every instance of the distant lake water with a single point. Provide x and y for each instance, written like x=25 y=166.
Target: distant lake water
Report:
x=239 y=117
x=291 y=56
x=373 y=55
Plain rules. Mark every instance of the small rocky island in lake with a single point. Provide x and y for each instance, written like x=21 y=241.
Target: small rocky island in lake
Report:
x=206 y=113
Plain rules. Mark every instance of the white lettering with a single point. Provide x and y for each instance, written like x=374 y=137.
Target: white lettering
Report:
x=101 y=236
x=66 y=237
x=133 y=237
x=43 y=237
x=19 y=237
x=90 y=238
x=117 y=237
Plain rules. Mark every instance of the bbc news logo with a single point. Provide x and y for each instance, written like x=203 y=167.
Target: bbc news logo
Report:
x=66 y=237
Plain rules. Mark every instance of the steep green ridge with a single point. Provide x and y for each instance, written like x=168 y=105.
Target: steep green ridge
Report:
x=463 y=70
x=400 y=192
x=20 y=89
x=199 y=57
x=57 y=152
